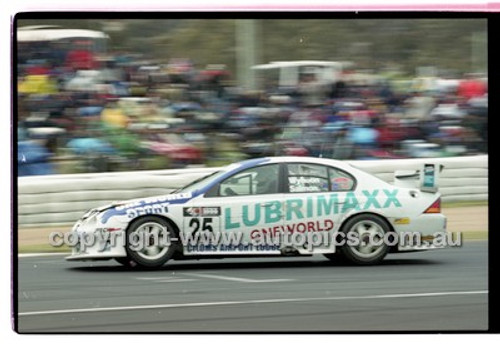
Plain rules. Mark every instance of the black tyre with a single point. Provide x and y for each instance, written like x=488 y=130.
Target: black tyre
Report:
x=369 y=231
x=149 y=242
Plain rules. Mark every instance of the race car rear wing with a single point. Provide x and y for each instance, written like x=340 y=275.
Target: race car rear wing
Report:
x=426 y=178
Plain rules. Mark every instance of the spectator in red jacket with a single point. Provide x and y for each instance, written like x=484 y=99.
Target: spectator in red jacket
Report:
x=471 y=87
x=81 y=57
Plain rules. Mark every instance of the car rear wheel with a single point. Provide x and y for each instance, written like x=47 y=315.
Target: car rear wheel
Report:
x=366 y=242
x=149 y=242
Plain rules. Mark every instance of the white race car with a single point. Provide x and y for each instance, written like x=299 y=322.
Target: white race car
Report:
x=268 y=206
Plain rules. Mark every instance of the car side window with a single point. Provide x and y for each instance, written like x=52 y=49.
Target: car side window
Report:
x=340 y=180
x=253 y=181
x=305 y=177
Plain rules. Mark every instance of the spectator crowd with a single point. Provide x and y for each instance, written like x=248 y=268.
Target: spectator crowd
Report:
x=80 y=112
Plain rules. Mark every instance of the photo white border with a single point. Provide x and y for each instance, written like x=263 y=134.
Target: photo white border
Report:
x=9 y=337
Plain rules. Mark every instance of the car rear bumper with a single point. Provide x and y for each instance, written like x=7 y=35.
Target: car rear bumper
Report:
x=427 y=231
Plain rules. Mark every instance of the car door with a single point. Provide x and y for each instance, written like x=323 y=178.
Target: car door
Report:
x=251 y=210
x=314 y=198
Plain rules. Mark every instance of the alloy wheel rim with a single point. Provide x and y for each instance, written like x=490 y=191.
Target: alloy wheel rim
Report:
x=154 y=237
x=370 y=237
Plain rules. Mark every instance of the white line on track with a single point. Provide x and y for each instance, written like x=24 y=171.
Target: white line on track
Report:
x=166 y=279
x=243 y=302
x=236 y=279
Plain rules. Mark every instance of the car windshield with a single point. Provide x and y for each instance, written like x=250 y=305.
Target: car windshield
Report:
x=199 y=183
x=204 y=180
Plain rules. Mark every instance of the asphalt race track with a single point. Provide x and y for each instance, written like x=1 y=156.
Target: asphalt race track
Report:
x=442 y=290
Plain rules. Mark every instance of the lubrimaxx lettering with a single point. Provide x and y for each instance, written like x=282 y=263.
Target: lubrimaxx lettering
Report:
x=310 y=207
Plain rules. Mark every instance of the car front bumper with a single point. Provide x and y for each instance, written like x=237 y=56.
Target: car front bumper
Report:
x=96 y=242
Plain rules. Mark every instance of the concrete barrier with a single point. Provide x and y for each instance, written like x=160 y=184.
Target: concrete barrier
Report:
x=62 y=199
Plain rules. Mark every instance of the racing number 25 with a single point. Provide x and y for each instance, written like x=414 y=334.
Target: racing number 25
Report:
x=205 y=224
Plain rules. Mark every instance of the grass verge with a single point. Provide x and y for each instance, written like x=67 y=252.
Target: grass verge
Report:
x=475 y=235
x=42 y=248
x=464 y=204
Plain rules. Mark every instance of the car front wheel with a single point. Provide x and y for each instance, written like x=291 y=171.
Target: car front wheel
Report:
x=149 y=241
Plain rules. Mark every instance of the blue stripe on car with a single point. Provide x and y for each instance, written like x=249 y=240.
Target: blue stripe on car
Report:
x=113 y=211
